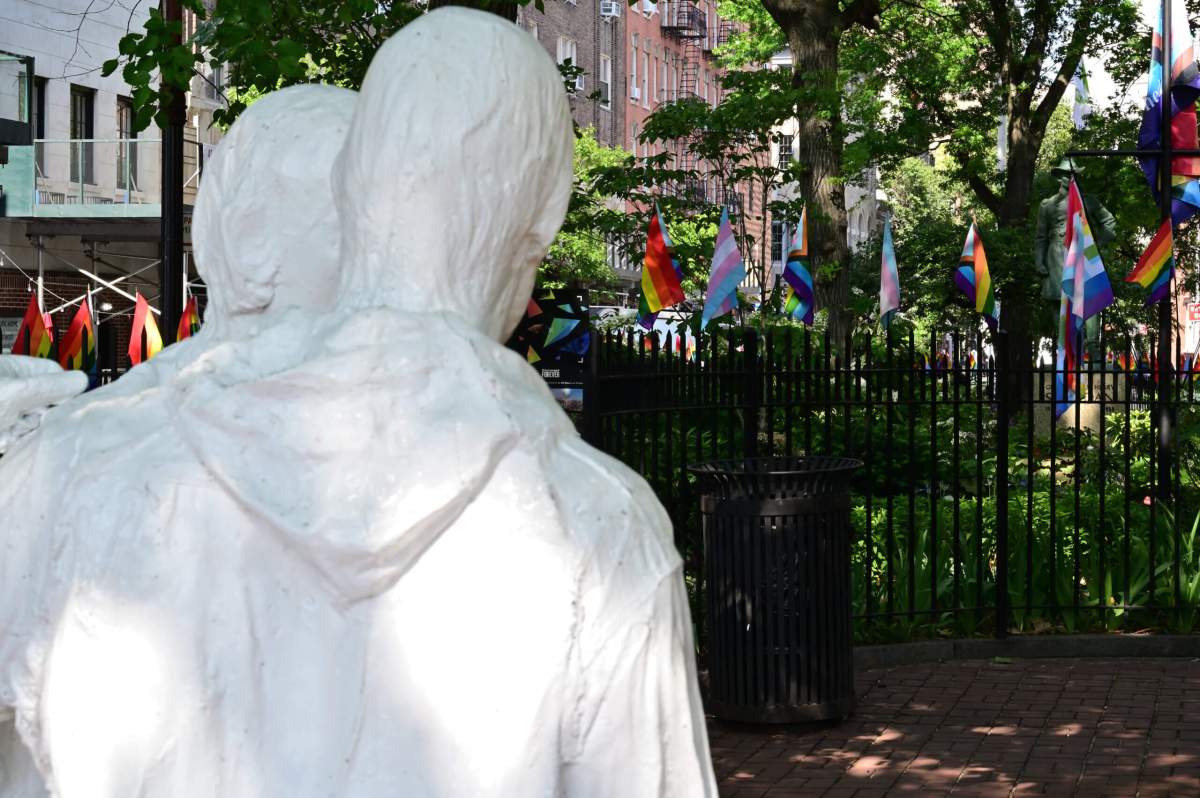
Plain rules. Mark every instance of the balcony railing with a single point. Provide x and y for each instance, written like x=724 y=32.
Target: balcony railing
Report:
x=683 y=18
x=94 y=178
x=97 y=177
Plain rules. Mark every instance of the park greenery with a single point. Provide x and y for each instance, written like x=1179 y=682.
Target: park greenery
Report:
x=918 y=91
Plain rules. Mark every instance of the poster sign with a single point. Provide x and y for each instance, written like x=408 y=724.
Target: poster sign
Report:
x=1194 y=312
x=553 y=337
x=8 y=332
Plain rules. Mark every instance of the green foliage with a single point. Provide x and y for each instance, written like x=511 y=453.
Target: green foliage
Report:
x=761 y=39
x=924 y=508
x=578 y=254
x=717 y=156
x=268 y=45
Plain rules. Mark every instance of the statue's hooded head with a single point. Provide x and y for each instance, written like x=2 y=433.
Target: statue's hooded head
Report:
x=456 y=172
x=266 y=234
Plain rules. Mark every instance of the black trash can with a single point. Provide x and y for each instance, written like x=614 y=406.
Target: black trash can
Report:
x=777 y=564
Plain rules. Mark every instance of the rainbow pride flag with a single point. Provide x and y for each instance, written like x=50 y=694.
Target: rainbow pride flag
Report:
x=1156 y=266
x=78 y=349
x=189 y=322
x=1183 y=89
x=889 y=278
x=974 y=279
x=799 y=299
x=662 y=276
x=34 y=337
x=728 y=272
x=143 y=322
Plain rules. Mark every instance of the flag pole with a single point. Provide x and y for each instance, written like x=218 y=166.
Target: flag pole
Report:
x=1163 y=410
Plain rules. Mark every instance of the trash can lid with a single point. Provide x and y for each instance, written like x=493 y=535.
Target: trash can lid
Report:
x=776 y=477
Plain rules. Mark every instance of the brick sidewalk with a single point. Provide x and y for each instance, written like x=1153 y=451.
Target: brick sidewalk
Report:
x=1092 y=727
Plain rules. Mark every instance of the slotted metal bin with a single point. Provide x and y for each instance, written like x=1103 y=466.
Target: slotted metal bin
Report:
x=777 y=563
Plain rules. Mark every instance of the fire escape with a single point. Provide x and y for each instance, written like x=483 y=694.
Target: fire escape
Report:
x=687 y=23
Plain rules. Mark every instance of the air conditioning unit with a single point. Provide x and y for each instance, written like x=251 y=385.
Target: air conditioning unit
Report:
x=610 y=8
x=635 y=93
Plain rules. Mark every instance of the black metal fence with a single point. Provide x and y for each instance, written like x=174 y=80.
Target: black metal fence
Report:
x=977 y=511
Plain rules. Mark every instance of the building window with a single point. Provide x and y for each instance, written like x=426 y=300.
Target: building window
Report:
x=127 y=166
x=649 y=7
x=785 y=152
x=645 y=80
x=633 y=78
x=214 y=87
x=776 y=241
x=662 y=81
x=654 y=80
x=568 y=51
x=533 y=30
x=606 y=81
x=83 y=130
x=39 y=125
x=633 y=137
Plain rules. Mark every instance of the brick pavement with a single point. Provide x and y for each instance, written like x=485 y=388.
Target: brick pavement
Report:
x=1091 y=727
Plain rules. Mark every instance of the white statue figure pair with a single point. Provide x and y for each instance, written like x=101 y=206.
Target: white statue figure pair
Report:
x=342 y=542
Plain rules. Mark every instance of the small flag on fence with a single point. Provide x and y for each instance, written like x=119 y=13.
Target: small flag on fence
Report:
x=661 y=275
x=189 y=322
x=143 y=321
x=1183 y=87
x=1154 y=269
x=1085 y=292
x=889 y=278
x=1082 y=107
x=798 y=302
x=728 y=272
x=78 y=349
x=975 y=280
x=34 y=336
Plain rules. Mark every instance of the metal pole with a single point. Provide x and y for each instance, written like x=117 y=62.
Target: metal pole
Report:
x=1163 y=383
x=41 y=276
x=1000 y=392
x=171 y=268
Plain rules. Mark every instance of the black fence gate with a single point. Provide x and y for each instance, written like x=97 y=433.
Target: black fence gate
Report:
x=978 y=511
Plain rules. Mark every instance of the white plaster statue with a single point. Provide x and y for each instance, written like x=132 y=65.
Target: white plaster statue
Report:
x=29 y=386
x=380 y=563
x=273 y=168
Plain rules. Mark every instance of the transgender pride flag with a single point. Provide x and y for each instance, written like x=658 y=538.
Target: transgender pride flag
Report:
x=728 y=272
x=1085 y=292
x=889 y=278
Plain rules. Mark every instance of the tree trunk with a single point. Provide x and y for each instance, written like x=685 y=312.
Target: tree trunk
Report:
x=1020 y=302
x=814 y=30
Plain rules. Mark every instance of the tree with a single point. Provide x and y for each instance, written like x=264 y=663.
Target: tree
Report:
x=267 y=44
x=947 y=74
x=814 y=31
x=711 y=157
x=579 y=253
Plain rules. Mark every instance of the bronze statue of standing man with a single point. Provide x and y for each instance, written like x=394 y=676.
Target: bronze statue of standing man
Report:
x=1049 y=249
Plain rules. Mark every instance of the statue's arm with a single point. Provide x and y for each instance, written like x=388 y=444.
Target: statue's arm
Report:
x=1104 y=226
x=639 y=702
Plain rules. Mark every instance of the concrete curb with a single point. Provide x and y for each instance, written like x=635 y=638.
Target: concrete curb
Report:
x=1066 y=646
